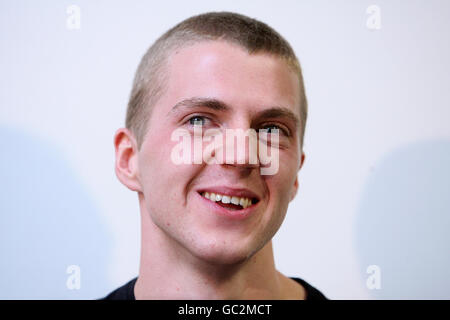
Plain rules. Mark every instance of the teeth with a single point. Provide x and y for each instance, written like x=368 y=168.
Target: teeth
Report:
x=243 y=202
x=226 y=199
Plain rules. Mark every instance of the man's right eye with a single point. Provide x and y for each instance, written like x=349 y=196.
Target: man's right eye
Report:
x=197 y=121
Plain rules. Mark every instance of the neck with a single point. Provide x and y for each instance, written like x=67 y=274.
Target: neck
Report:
x=169 y=271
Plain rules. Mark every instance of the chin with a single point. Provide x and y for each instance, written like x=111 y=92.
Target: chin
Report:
x=223 y=255
x=223 y=259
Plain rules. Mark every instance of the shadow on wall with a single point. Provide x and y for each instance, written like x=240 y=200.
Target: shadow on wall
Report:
x=403 y=223
x=47 y=223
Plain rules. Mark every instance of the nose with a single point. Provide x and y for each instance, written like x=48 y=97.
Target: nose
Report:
x=241 y=146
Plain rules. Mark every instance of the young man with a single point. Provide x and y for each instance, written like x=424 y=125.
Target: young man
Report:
x=207 y=226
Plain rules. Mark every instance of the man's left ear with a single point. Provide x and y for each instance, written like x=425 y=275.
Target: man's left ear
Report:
x=295 y=187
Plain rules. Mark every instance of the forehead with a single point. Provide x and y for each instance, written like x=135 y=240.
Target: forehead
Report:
x=218 y=69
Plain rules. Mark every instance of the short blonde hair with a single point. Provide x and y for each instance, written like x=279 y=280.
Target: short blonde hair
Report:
x=250 y=34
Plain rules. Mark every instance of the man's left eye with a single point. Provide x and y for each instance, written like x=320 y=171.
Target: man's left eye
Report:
x=273 y=128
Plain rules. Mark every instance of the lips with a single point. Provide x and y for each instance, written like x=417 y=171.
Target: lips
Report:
x=231 y=192
x=231 y=202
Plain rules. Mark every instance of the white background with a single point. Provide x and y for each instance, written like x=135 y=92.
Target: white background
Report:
x=374 y=189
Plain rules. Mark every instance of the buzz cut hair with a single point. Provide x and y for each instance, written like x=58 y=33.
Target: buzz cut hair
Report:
x=250 y=34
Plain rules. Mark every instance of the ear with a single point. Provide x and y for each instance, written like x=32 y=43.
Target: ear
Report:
x=295 y=187
x=126 y=165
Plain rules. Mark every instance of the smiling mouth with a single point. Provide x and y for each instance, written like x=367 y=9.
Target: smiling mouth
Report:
x=229 y=202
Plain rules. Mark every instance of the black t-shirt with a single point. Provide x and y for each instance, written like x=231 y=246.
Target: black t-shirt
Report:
x=126 y=292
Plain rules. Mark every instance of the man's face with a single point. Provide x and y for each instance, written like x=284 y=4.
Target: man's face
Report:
x=248 y=85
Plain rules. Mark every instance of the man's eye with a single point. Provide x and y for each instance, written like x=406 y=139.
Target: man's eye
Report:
x=273 y=128
x=197 y=121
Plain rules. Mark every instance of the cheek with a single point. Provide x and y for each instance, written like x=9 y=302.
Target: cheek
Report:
x=154 y=159
x=282 y=186
x=165 y=183
x=155 y=168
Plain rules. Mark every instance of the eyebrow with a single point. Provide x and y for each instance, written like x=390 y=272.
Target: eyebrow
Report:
x=279 y=112
x=217 y=105
x=196 y=102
